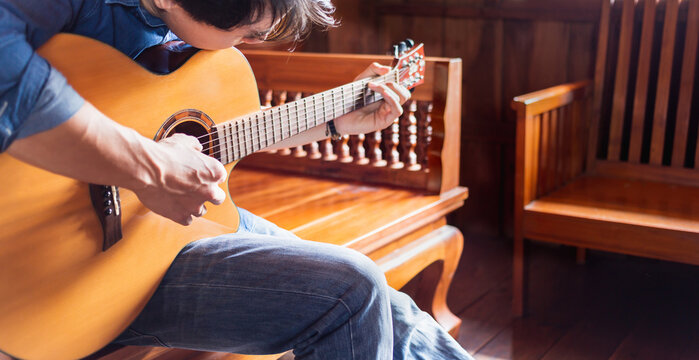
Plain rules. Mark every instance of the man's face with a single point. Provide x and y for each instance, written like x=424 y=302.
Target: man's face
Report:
x=209 y=37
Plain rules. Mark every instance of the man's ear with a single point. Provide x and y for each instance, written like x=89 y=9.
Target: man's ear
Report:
x=165 y=4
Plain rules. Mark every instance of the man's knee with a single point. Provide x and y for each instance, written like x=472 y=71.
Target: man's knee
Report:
x=366 y=280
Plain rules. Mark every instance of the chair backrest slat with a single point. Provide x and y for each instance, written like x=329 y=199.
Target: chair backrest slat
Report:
x=598 y=90
x=622 y=79
x=642 y=80
x=684 y=105
x=664 y=79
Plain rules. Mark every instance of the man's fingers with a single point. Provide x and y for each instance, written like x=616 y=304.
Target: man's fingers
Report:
x=403 y=93
x=202 y=211
x=186 y=220
x=391 y=98
x=375 y=69
x=217 y=195
x=187 y=140
x=379 y=69
x=217 y=172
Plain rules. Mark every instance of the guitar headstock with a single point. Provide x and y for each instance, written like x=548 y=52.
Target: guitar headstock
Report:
x=410 y=63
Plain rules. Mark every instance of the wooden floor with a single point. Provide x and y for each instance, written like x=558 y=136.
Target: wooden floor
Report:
x=613 y=307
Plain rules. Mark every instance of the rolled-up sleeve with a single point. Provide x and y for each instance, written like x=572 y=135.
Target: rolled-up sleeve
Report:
x=34 y=97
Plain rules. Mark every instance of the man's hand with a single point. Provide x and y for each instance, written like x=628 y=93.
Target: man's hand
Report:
x=171 y=177
x=379 y=115
x=183 y=179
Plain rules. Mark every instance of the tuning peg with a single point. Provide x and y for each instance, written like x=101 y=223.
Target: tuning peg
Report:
x=402 y=47
x=410 y=43
x=395 y=52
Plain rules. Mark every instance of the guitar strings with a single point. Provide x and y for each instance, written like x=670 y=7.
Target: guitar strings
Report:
x=242 y=149
x=347 y=103
x=242 y=145
x=256 y=141
x=354 y=93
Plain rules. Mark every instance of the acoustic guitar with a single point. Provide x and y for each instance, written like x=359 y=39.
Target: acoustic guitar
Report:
x=62 y=296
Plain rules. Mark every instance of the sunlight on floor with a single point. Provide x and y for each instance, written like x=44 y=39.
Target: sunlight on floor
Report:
x=488 y=357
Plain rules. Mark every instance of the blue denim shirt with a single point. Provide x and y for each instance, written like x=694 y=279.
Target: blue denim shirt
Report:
x=34 y=97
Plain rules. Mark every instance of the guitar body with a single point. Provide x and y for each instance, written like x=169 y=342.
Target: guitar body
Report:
x=61 y=296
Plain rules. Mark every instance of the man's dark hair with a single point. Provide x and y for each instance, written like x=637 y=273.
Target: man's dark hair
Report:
x=296 y=17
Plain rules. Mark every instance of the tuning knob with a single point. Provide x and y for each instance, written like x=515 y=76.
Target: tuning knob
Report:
x=395 y=52
x=410 y=43
x=402 y=47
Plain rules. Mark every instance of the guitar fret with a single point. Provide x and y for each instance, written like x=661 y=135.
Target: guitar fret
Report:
x=321 y=105
x=343 y=109
x=271 y=126
x=232 y=144
x=348 y=100
x=248 y=137
x=332 y=100
x=241 y=137
x=255 y=143
x=260 y=133
x=298 y=114
x=338 y=104
x=287 y=120
x=322 y=108
x=292 y=131
x=282 y=122
x=353 y=98
x=276 y=128
x=224 y=157
x=258 y=137
x=306 y=116
x=279 y=123
x=236 y=144
x=253 y=137
x=263 y=129
x=228 y=144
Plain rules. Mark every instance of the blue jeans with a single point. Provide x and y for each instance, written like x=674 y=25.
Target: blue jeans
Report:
x=263 y=290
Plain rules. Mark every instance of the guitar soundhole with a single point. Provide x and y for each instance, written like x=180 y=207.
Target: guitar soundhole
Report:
x=194 y=123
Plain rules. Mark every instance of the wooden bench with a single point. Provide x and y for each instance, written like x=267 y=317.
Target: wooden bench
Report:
x=613 y=163
x=385 y=194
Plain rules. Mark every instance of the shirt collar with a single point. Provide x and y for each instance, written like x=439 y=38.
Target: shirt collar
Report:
x=146 y=17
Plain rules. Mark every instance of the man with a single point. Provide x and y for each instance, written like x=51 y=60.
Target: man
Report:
x=260 y=290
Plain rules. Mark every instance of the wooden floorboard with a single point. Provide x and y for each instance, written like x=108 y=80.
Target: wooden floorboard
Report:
x=482 y=268
x=613 y=307
x=484 y=320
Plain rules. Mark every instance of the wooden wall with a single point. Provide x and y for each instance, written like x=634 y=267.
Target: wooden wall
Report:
x=508 y=47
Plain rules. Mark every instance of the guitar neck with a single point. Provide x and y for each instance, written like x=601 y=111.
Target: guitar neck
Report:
x=253 y=132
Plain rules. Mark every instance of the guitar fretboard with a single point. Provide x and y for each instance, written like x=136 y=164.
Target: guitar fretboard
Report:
x=253 y=132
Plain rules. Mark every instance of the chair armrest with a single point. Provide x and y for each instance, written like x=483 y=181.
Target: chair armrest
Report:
x=551 y=139
x=538 y=102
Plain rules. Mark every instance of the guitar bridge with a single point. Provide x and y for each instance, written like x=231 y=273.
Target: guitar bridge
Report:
x=107 y=205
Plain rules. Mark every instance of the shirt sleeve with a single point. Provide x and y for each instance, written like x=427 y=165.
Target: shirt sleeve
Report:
x=34 y=97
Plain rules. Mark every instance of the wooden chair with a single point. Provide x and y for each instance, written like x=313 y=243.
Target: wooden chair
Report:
x=385 y=194
x=613 y=163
